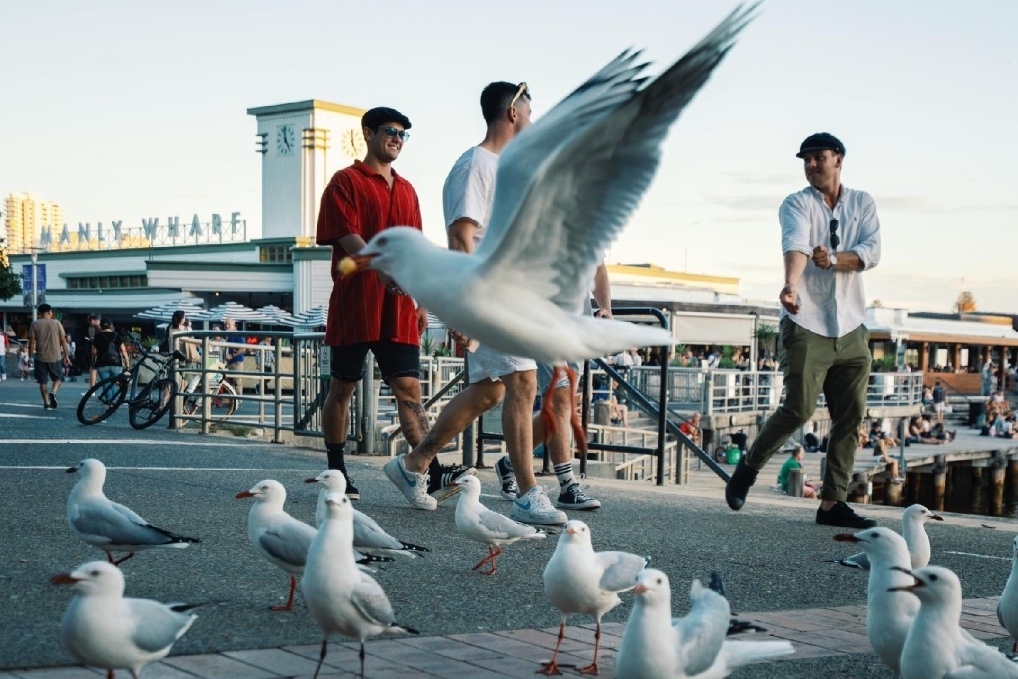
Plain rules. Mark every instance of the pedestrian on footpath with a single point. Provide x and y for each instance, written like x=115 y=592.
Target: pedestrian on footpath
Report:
x=830 y=234
x=47 y=342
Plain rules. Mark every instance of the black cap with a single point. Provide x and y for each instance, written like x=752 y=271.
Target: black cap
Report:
x=819 y=142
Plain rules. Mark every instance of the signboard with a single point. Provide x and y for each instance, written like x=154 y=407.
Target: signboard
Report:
x=40 y=283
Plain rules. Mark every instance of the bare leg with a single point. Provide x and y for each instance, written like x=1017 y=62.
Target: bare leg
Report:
x=289 y=602
x=321 y=656
x=413 y=421
x=464 y=408
x=517 y=409
x=557 y=440
x=552 y=667
x=592 y=667
x=336 y=410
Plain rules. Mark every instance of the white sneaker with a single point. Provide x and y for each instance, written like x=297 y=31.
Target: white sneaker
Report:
x=534 y=506
x=414 y=486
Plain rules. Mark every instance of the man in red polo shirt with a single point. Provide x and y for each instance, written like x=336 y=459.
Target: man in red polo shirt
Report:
x=369 y=312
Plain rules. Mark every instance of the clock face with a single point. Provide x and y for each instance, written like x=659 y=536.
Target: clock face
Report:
x=352 y=143
x=286 y=140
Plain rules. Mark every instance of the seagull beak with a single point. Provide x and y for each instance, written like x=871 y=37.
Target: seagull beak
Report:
x=62 y=579
x=640 y=589
x=245 y=493
x=846 y=537
x=936 y=517
x=906 y=588
x=571 y=531
x=311 y=480
x=71 y=470
x=350 y=265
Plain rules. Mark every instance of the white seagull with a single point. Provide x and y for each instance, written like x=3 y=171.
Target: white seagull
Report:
x=565 y=188
x=913 y=529
x=479 y=523
x=935 y=647
x=368 y=536
x=657 y=646
x=339 y=596
x=1007 y=607
x=103 y=629
x=110 y=526
x=579 y=580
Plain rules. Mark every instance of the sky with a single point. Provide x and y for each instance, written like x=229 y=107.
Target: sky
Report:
x=129 y=110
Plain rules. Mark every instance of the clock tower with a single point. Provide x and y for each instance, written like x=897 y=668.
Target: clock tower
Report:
x=302 y=145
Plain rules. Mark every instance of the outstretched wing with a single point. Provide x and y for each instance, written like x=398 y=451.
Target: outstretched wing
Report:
x=702 y=632
x=567 y=185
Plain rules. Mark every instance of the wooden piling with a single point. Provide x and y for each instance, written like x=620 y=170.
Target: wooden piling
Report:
x=1011 y=482
x=892 y=494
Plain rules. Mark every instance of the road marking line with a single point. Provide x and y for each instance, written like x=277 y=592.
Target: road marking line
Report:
x=145 y=442
x=981 y=556
x=28 y=417
x=167 y=469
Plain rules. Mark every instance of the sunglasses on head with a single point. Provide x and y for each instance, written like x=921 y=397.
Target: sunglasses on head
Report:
x=521 y=89
x=396 y=132
x=835 y=241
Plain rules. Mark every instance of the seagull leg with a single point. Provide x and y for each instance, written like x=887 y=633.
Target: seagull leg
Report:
x=120 y=561
x=552 y=667
x=289 y=602
x=109 y=557
x=321 y=656
x=592 y=667
x=109 y=674
x=547 y=416
x=498 y=550
x=489 y=556
x=362 y=660
x=579 y=435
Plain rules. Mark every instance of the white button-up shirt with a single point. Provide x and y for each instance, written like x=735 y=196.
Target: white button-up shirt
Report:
x=831 y=303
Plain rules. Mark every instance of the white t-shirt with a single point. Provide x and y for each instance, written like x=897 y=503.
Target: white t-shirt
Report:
x=469 y=190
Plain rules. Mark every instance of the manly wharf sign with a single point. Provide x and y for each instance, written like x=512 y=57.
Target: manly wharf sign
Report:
x=151 y=233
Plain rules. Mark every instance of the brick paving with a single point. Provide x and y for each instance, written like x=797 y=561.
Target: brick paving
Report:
x=516 y=654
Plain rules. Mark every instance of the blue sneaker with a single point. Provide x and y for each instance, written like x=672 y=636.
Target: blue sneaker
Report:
x=414 y=486
x=535 y=506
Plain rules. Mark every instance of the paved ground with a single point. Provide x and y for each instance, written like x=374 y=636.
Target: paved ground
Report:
x=771 y=555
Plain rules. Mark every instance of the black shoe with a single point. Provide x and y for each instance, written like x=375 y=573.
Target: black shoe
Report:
x=53 y=401
x=441 y=477
x=738 y=486
x=843 y=516
x=351 y=490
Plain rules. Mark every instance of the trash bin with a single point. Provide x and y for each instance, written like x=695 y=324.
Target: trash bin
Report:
x=732 y=455
x=977 y=413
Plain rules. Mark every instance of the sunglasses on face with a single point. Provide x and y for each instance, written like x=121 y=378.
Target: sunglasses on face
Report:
x=395 y=132
x=835 y=241
x=520 y=91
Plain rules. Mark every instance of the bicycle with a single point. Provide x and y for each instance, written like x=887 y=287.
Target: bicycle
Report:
x=146 y=407
x=222 y=393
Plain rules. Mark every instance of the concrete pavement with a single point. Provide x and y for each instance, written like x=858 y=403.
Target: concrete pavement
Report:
x=770 y=554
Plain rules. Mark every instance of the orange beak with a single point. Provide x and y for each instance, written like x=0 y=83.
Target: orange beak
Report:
x=350 y=265
x=62 y=579
x=245 y=493
x=846 y=537
x=640 y=589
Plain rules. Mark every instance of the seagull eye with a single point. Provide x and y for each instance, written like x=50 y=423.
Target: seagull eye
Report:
x=383 y=241
x=95 y=574
x=933 y=578
x=659 y=581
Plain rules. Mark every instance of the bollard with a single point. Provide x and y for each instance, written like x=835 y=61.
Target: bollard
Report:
x=996 y=499
x=892 y=494
x=796 y=482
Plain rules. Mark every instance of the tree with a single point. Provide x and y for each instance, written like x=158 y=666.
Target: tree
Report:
x=10 y=282
x=764 y=334
x=965 y=303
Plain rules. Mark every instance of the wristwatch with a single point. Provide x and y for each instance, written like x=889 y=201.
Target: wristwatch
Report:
x=833 y=261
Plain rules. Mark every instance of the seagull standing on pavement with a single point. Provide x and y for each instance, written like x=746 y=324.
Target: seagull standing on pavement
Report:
x=579 y=580
x=565 y=188
x=913 y=529
x=479 y=523
x=339 y=596
x=935 y=647
x=110 y=526
x=1007 y=607
x=657 y=646
x=368 y=537
x=103 y=629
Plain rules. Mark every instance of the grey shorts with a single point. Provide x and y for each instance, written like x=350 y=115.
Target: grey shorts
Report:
x=544 y=376
x=47 y=371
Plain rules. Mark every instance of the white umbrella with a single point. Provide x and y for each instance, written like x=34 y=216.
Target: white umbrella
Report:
x=164 y=312
x=315 y=317
x=276 y=315
x=238 y=312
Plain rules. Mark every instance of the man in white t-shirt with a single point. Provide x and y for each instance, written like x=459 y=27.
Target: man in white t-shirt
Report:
x=467 y=199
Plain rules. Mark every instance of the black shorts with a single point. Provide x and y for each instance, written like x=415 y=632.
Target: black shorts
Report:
x=395 y=359
x=48 y=371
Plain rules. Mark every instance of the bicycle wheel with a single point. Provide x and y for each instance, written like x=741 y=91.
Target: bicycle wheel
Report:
x=152 y=403
x=224 y=403
x=102 y=400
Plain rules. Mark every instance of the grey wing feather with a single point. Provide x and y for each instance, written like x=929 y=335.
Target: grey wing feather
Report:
x=155 y=625
x=117 y=524
x=367 y=533
x=500 y=525
x=620 y=570
x=606 y=138
x=371 y=602
x=702 y=632
x=288 y=544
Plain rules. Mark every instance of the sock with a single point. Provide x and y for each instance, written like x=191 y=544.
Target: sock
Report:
x=564 y=472
x=334 y=453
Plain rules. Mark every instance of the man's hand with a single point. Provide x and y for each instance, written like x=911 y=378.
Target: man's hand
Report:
x=459 y=337
x=603 y=313
x=789 y=298
x=821 y=257
x=422 y=320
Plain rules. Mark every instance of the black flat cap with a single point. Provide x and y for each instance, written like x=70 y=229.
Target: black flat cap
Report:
x=819 y=142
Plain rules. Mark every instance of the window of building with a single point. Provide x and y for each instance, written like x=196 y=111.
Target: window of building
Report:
x=106 y=282
x=272 y=254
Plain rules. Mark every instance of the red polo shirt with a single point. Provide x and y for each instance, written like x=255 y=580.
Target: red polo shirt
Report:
x=359 y=201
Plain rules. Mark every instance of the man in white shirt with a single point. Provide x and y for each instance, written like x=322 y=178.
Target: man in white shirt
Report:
x=830 y=234
x=467 y=199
